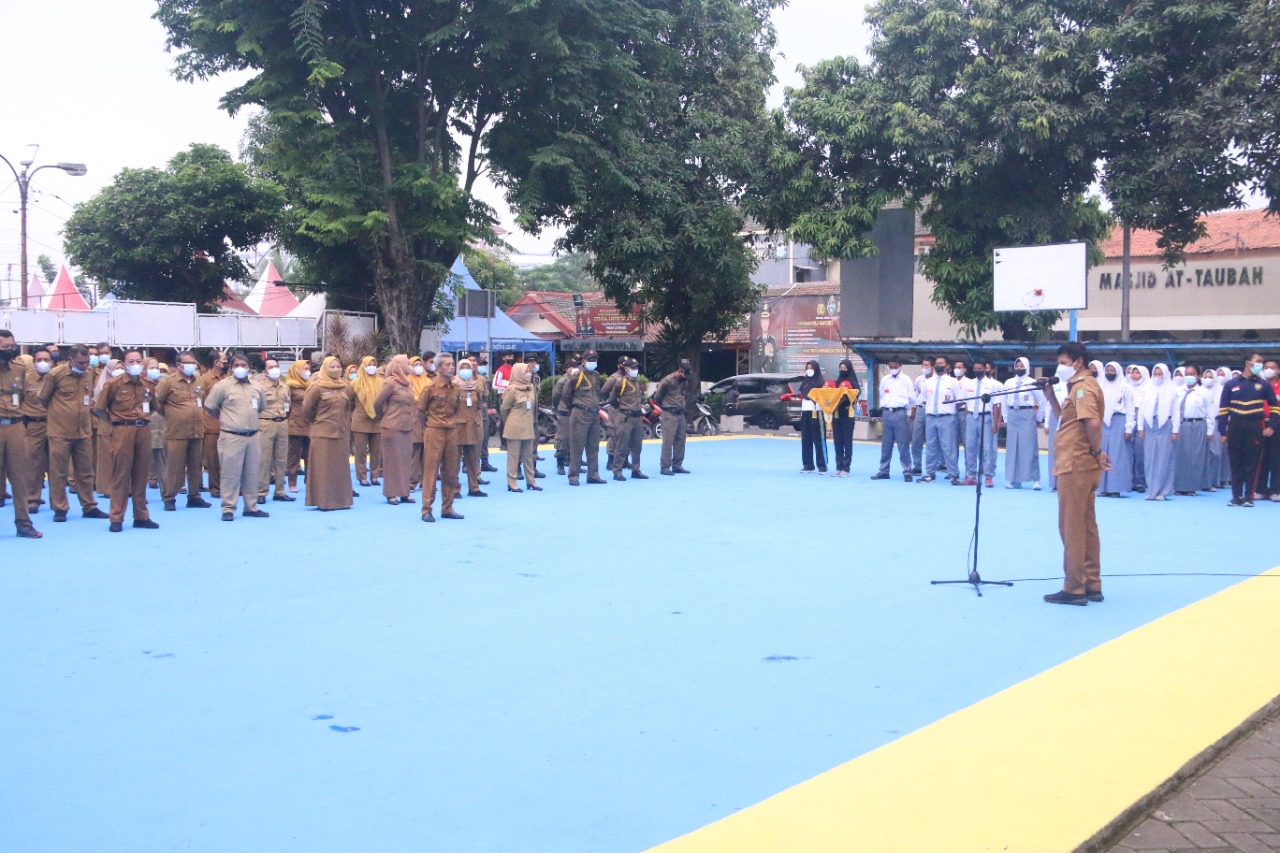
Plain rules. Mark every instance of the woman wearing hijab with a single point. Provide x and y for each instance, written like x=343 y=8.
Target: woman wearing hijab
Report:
x=419 y=377
x=366 y=431
x=1224 y=472
x=155 y=371
x=519 y=427
x=102 y=447
x=298 y=380
x=396 y=409
x=470 y=428
x=327 y=408
x=812 y=445
x=1195 y=413
x=1212 y=479
x=1021 y=412
x=1139 y=385
x=1118 y=421
x=1158 y=426
x=842 y=420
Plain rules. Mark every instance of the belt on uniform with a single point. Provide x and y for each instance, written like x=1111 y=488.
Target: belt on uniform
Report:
x=631 y=413
x=674 y=411
x=276 y=420
x=940 y=414
x=244 y=432
x=138 y=422
x=1192 y=420
x=1022 y=407
x=894 y=408
x=32 y=420
x=10 y=421
x=582 y=406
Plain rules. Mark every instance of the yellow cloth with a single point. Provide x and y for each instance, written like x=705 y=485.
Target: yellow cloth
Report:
x=367 y=387
x=829 y=398
x=294 y=377
x=419 y=382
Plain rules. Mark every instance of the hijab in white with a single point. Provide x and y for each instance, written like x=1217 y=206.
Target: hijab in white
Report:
x=1115 y=394
x=1157 y=404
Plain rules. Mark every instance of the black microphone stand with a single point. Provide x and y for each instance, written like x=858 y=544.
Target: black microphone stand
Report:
x=974 y=578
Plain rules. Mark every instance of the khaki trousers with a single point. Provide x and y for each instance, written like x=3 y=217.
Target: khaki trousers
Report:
x=15 y=462
x=184 y=460
x=130 y=457
x=521 y=452
x=240 y=460
x=67 y=455
x=439 y=462
x=102 y=465
x=1078 y=527
x=212 y=466
x=273 y=436
x=469 y=459
x=673 y=434
x=38 y=448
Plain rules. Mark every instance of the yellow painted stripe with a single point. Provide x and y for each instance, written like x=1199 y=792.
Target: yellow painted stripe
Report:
x=1046 y=764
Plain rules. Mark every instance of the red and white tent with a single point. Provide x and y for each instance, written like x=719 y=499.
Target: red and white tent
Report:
x=269 y=297
x=35 y=293
x=64 y=296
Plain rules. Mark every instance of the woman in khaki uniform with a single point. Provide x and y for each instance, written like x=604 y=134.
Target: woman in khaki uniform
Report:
x=102 y=438
x=470 y=424
x=327 y=408
x=155 y=371
x=420 y=377
x=298 y=379
x=397 y=411
x=519 y=427
x=366 y=431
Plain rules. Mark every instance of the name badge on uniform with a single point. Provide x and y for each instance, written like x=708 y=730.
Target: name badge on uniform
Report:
x=253 y=401
x=286 y=407
x=86 y=399
x=528 y=404
x=146 y=407
x=15 y=398
x=468 y=399
x=199 y=402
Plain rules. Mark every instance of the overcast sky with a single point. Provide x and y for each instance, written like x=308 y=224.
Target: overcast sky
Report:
x=89 y=81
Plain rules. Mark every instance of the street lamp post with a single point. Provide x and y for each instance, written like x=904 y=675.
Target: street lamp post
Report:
x=24 y=182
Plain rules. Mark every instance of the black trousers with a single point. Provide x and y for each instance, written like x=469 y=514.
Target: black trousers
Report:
x=1244 y=450
x=811 y=444
x=842 y=435
x=1269 y=480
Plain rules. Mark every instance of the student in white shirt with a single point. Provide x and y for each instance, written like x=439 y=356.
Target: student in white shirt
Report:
x=1118 y=422
x=1195 y=414
x=1158 y=426
x=982 y=426
x=941 y=390
x=897 y=396
x=1021 y=413
x=917 y=419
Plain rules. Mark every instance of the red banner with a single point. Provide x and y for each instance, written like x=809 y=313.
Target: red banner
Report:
x=606 y=321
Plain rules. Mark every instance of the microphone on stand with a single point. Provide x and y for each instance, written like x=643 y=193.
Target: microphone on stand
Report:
x=1045 y=381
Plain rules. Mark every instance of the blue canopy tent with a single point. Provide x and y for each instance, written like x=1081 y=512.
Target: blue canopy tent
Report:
x=500 y=334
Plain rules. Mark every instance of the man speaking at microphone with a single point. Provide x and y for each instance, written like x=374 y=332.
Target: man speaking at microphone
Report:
x=1078 y=463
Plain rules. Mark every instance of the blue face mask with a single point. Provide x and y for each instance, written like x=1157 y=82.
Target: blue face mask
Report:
x=1256 y=369
x=484 y=370
x=464 y=374
x=93 y=361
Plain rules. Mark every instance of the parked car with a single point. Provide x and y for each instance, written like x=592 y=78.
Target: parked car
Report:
x=766 y=400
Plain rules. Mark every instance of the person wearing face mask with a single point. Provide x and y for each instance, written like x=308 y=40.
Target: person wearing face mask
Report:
x=15 y=457
x=36 y=420
x=67 y=395
x=273 y=430
x=813 y=444
x=1269 y=478
x=583 y=398
x=842 y=419
x=397 y=412
x=237 y=404
x=671 y=396
x=468 y=428
x=960 y=370
x=1195 y=412
x=1247 y=416
x=983 y=426
x=109 y=368
x=1159 y=422
x=939 y=405
x=626 y=396
x=502 y=378
x=1214 y=456
x=1118 y=425
x=917 y=418
x=420 y=375
x=563 y=410
x=1139 y=384
x=520 y=427
x=366 y=431
x=897 y=397
x=1020 y=411
x=327 y=409
x=298 y=379
x=126 y=402
x=482 y=382
x=1078 y=464
x=155 y=371
x=439 y=404
x=181 y=401
x=216 y=364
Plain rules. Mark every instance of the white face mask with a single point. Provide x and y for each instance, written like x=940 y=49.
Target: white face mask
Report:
x=591 y=365
x=959 y=372
x=371 y=369
x=573 y=371
x=1065 y=372
x=133 y=369
x=928 y=371
x=418 y=370
x=633 y=373
x=1159 y=380
x=273 y=372
x=306 y=375
x=153 y=373
x=240 y=372
x=188 y=369
x=1209 y=380
x=894 y=371
x=809 y=373
x=43 y=367
x=1268 y=374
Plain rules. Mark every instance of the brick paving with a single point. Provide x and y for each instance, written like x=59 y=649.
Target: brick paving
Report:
x=1232 y=805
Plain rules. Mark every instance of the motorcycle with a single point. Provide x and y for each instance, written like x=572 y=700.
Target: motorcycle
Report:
x=548 y=424
x=705 y=423
x=651 y=418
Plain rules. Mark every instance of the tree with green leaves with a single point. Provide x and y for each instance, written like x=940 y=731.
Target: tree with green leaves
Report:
x=655 y=201
x=568 y=273
x=47 y=268
x=493 y=270
x=1260 y=142
x=171 y=234
x=379 y=116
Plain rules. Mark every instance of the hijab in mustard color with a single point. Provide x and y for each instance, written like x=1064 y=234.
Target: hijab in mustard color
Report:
x=295 y=379
x=367 y=387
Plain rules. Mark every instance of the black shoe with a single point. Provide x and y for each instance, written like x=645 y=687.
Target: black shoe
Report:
x=116 y=527
x=477 y=494
x=59 y=515
x=256 y=513
x=355 y=494
x=518 y=489
x=928 y=479
x=451 y=515
x=639 y=475
x=596 y=481
x=95 y=513
x=145 y=524
x=482 y=481
x=1095 y=597
x=618 y=478
x=1248 y=504
x=667 y=472
x=287 y=498
x=198 y=503
x=573 y=482
x=533 y=488
x=428 y=517
x=538 y=475
x=170 y=506
x=375 y=482
x=32 y=510
x=488 y=469
x=228 y=515
x=1067 y=598
x=1234 y=502
x=559 y=470
x=680 y=470
x=906 y=477
x=880 y=476
x=27 y=531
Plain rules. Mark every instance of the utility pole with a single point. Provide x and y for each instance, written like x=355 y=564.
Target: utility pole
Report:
x=23 y=180
x=1124 y=283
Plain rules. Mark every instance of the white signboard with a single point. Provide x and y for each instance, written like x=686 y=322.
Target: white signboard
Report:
x=297 y=331
x=219 y=330
x=258 y=331
x=154 y=324
x=1041 y=278
x=81 y=327
x=33 y=326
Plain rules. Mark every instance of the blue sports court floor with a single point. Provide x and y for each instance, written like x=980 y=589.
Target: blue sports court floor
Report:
x=594 y=669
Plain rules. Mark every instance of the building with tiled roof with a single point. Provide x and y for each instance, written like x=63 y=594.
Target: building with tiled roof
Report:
x=1227 y=231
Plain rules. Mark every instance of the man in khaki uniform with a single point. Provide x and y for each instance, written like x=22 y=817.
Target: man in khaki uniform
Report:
x=1078 y=463
x=582 y=396
x=15 y=458
x=273 y=432
x=626 y=396
x=67 y=394
x=235 y=402
x=672 y=396
x=439 y=403
x=180 y=400
x=37 y=426
x=217 y=369
x=126 y=403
